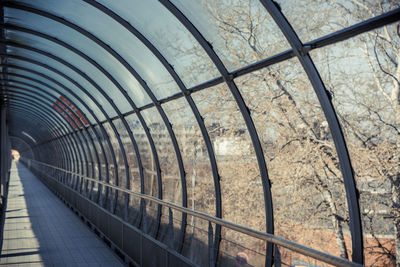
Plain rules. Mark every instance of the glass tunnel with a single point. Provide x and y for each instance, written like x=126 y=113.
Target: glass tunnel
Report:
x=221 y=132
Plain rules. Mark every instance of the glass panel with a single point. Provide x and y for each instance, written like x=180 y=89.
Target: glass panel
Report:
x=166 y=154
x=240 y=180
x=241 y=32
x=75 y=118
x=134 y=178
x=104 y=168
x=363 y=81
x=16 y=86
x=120 y=168
x=91 y=49
x=11 y=61
x=72 y=110
x=72 y=159
x=331 y=16
x=199 y=181
x=80 y=64
x=91 y=159
x=94 y=189
x=120 y=39
x=73 y=75
x=150 y=177
x=301 y=158
x=81 y=150
x=169 y=36
x=171 y=180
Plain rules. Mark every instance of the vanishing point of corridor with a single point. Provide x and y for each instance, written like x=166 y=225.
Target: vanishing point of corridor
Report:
x=40 y=230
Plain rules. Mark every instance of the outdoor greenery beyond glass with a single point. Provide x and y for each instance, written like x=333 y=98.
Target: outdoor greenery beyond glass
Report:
x=196 y=97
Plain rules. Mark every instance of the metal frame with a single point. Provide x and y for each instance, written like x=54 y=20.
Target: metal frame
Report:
x=48 y=86
x=69 y=110
x=74 y=95
x=334 y=125
x=111 y=78
x=57 y=91
x=73 y=141
x=310 y=252
x=228 y=78
x=81 y=73
x=101 y=69
x=65 y=152
x=54 y=120
x=70 y=138
x=20 y=108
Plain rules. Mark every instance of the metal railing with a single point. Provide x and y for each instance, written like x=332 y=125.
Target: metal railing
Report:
x=306 y=251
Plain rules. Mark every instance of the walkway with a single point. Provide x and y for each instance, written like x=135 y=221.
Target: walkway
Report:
x=40 y=230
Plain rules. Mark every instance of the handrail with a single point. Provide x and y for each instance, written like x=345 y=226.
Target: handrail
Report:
x=310 y=252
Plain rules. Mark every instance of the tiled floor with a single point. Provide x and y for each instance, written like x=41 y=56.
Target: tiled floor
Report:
x=41 y=231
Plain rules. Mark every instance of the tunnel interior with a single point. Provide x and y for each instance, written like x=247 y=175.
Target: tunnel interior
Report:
x=183 y=119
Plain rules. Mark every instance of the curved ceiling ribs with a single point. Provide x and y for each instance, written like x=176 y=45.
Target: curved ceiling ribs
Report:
x=69 y=109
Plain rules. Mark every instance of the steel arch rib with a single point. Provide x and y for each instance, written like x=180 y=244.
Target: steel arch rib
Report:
x=228 y=78
x=57 y=91
x=67 y=152
x=55 y=147
x=55 y=120
x=61 y=85
x=74 y=139
x=22 y=140
x=68 y=90
x=99 y=67
x=23 y=109
x=178 y=81
x=87 y=93
x=95 y=85
x=70 y=110
x=334 y=125
x=116 y=83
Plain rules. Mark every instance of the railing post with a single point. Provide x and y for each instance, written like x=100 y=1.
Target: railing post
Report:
x=277 y=257
x=144 y=216
x=171 y=229
x=126 y=207
x=211 y=245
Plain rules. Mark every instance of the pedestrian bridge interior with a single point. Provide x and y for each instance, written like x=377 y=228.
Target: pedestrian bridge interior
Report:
x=200 y=133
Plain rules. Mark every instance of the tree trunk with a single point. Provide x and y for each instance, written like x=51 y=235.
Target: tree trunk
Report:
x=336 y=225
x=396 y=216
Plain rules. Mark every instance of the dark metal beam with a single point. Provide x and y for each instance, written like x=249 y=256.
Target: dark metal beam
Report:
x=33 y=112
x=69 y=111
x=74 y=141
x=334 y=125
x=108 y=75
x=228 y=78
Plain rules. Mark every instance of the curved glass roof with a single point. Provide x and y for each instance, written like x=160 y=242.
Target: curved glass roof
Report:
x=280 y=116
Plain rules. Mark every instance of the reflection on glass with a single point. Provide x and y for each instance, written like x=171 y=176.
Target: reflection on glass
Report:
x=363 y=81
x=78 y=62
